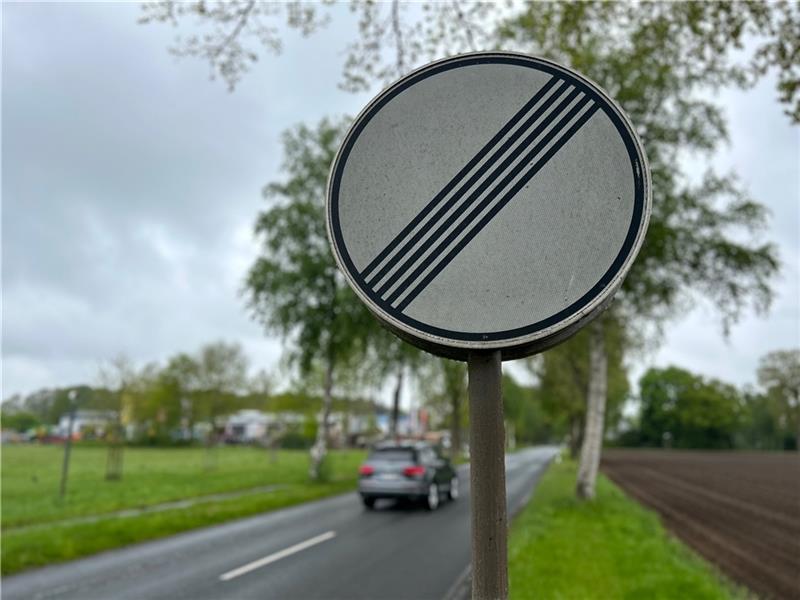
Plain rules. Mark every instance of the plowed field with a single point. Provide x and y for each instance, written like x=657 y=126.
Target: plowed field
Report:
x=740 y=510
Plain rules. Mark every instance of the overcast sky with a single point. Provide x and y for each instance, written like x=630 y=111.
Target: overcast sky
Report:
x=130 y=183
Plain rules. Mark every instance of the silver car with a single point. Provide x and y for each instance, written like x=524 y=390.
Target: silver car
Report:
x=409 y=471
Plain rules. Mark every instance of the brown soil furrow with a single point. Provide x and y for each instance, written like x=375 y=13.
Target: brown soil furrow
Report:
x=768 y=543
x=747 y=480
x=741 y=510
x=759 y=512
x=739 y=564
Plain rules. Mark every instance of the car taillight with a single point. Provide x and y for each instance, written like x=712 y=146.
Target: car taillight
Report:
x=365 y=470
x=416 y=471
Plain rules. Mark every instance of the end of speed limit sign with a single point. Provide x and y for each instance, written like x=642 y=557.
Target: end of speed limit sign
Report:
x=488 y=201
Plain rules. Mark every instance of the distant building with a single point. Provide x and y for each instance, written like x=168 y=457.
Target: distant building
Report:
x=9 y=436
x=96 y=421
x=250 y=425
x=247 y=426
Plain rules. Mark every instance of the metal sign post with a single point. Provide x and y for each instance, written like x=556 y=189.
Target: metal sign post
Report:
x=485 y=207
x=487 y=476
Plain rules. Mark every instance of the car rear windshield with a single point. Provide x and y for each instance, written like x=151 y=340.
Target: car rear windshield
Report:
x=393 y=454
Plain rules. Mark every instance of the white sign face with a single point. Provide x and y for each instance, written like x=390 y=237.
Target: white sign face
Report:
x=488 y=201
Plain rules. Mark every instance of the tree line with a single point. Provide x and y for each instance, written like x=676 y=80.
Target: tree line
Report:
x=680 y=409
x=671 y=407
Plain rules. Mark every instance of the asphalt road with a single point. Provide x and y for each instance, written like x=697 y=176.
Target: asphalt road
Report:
x=331 y=549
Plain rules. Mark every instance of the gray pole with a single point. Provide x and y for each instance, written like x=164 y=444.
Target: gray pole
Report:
x=67 y=445
x=487 y=477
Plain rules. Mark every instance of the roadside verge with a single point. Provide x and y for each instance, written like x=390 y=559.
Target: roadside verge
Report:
x=34 y=547
x=609 y=548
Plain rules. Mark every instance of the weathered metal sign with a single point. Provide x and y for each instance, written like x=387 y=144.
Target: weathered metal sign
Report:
x=488 y=201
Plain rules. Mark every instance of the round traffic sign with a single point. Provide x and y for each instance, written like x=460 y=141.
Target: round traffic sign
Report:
x=488 y=201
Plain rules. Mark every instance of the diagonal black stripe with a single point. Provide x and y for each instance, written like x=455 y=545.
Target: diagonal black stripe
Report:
x=489 y=181
x=442 y=211
x=496 y=209
x=460 y=175
x=475 y=195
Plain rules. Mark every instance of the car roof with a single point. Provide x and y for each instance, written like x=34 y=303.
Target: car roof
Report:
x=412 y=445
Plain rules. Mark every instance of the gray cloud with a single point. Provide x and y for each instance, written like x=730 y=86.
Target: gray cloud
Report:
x=130 y=185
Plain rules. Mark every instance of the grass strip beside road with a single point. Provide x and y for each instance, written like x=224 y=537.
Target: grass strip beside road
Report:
x=31 y=500
x=609 y=548
x=35 y=548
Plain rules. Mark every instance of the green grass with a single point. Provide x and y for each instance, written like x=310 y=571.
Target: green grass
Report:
x=611 y=548
x=30 y=477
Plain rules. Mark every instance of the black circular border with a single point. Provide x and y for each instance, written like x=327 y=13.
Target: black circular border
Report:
x=637 y=166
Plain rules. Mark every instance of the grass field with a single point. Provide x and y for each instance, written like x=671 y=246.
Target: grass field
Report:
x=609 y=548
x=39 y=529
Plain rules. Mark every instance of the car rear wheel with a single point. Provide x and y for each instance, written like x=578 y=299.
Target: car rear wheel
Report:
x=452 y=493
x=432 y=499
x=369 y=503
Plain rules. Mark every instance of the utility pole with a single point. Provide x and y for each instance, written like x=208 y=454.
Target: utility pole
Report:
x=67 y=444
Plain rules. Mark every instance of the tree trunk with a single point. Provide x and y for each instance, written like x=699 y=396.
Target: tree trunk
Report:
x=396 y=404
x=595 y=413
x=455 y=426
x=211 y=438
x=114 y=456
x=320 y=447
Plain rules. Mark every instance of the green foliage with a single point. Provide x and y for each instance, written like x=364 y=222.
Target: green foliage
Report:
x=779 y=376
x=296 y=440
x=560 y=547
x=657 y=60
x=19 y=421
x=524 y=411
x=48 y=405
x=157 y=405
x=221 y=374
x=310 y=427
x=294 y=288
x=563 y=374
x=683 y=410
x=760 y=425
x=443 y=388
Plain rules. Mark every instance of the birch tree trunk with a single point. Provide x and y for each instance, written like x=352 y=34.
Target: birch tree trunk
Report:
x=396 y=404
x=595 y=413
x=320 y=447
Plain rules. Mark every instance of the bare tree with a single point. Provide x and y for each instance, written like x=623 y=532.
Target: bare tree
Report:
x=119 y=376
x=229 y=34
x=394 y=37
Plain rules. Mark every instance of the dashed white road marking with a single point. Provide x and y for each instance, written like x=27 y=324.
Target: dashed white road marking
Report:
x=262 y=562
